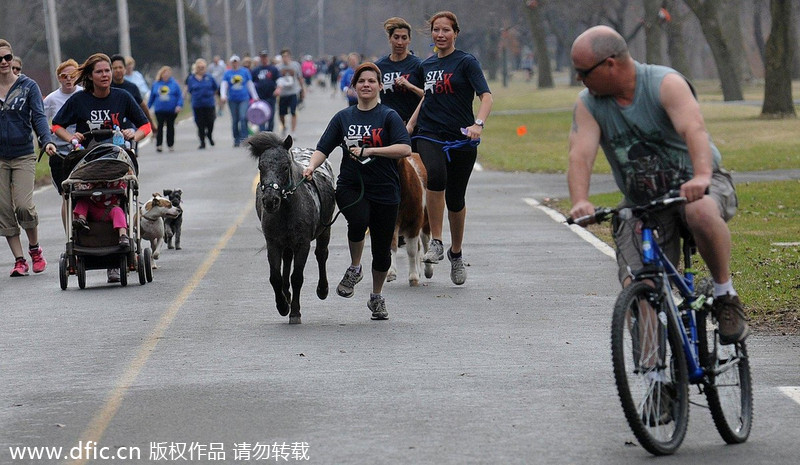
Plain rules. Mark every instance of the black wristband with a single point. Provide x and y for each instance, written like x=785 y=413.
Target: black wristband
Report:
x=361 y=154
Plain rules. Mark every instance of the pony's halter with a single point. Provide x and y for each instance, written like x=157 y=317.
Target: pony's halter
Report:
x=291 y=188
x=284 y=191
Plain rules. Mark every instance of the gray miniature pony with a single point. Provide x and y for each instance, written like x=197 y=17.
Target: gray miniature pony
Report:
x=293 y=212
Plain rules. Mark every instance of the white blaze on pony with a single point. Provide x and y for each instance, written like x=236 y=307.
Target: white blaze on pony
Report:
x=412 y=219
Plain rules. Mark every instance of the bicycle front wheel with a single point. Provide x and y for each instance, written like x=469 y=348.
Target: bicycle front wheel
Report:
x=728 y=384
x=650 y=369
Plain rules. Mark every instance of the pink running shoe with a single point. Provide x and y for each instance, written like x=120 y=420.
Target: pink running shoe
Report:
x=39 y=263
x=20 y=268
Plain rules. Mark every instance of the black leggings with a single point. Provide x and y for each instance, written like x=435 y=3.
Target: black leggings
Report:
x=449 y=176
x=204 y=118
x=379 y=217
x=168 y=119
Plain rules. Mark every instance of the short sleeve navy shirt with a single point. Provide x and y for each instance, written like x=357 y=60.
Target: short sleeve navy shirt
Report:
x=378 y=127
x=400 y=99
x=88 y=112
x=451 y=84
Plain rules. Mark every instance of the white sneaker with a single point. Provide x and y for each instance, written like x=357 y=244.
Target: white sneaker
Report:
x=435 y=252
x=458 y=271
x=347 y=285
x=378 y=306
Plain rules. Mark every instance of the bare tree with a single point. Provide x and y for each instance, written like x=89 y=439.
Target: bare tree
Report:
x=730 y=22
x=676 y=45
x=757 y=31
x=537 y=25
x=779 y=52
x=728 y=70
x=653 y=31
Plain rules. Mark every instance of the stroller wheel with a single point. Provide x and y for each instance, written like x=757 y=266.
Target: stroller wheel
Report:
x=63 y=271
x=140 y=269
x=81 y=272
x=123 y=270
x=148 y=264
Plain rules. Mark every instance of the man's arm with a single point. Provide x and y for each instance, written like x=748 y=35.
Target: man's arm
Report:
x=584 y=140
x=684 y=112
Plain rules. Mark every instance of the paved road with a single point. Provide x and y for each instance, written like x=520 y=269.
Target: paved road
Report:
x=512 y=367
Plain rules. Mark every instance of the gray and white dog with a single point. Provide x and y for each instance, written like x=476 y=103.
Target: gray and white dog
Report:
x=151 y=221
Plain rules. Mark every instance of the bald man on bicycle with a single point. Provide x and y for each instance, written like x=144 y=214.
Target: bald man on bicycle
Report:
x=648 y=122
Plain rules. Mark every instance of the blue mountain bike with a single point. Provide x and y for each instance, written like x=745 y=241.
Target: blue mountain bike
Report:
x=664 y=338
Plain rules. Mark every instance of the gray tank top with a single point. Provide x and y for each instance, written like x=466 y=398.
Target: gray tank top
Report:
x=647 y=156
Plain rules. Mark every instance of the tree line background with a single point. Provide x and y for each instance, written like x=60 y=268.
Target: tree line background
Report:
x=727 y=40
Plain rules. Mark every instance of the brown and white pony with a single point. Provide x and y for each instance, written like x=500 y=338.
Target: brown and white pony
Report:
x=412 y=219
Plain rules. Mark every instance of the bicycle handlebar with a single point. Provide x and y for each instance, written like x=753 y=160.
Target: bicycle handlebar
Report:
x=605 y=213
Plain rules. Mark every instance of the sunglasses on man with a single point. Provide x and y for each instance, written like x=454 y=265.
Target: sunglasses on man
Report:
x=584 y=73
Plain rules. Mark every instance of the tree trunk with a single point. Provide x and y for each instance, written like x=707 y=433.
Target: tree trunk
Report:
x=778 y=79
x=652 y=32
x=731 y=25
x=757 y=31
x=676 y=47
x=796 y=54
x=728 y=70
x=545 y=80
x=492 y=62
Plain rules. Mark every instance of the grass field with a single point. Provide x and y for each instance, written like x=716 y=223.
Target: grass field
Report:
x=766 y=230
x=747 y=142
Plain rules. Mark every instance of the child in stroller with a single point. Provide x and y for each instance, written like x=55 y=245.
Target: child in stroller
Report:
x=102 y=207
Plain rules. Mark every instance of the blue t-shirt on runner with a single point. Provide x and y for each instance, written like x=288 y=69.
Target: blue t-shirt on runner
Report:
x=451 y=84
x=237 y=84
x=378 y=127
x=87 y=112
x=401 y=99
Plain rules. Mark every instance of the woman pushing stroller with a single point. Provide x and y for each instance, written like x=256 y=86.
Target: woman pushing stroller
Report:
x=99 y=106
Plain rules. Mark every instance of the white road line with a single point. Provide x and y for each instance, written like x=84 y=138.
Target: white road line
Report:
x=584 y=234
x=792 y=392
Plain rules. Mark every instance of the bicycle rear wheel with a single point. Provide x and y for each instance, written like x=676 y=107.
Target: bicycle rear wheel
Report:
x=728 y=384
x=650 y=369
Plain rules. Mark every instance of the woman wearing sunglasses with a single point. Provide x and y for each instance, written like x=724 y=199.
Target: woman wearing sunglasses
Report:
x=52 y=103
x=22 y=112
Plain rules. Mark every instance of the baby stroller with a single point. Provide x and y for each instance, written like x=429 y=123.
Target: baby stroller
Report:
x=103 y=169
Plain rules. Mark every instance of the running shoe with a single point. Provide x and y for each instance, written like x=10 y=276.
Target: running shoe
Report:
x=458 y=271
x=37 y=257
x=435 y=252
x=346 y=287
x=377 y=305
x=20 y=268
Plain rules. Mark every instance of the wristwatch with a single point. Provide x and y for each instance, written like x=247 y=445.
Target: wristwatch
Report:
x=479 y=122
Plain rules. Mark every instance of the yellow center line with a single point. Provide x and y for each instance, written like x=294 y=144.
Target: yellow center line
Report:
x=97 y=427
